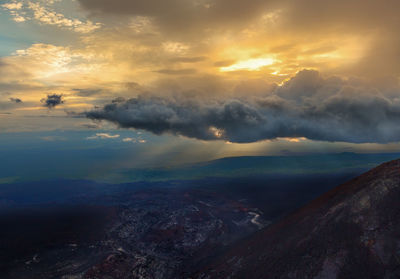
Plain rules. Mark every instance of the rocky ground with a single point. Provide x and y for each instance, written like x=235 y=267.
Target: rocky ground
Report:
x=169 y=229
x=155 y=233
x=144 y=234
x=353 y=231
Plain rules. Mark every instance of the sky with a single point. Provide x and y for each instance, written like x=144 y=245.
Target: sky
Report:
x=201 y=78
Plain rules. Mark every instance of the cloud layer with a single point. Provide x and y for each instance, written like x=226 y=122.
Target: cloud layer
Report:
x=308 y=105
x=52 y=100
x=214 y=66
x=43 y=12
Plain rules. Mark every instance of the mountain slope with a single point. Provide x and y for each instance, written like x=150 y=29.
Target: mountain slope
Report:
x=353 y=231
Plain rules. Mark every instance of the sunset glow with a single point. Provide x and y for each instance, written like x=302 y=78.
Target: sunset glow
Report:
x=249 y=65
x=257 y=71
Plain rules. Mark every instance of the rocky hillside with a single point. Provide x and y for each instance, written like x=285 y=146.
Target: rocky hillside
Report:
x=353 y=231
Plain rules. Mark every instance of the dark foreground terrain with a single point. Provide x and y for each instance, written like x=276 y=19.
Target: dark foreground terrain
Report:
x=81 y=229
x=352 y=231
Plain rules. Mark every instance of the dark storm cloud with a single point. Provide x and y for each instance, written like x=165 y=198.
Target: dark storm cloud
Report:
x=308 y=105
x=16 y=100
x=52 y=100
x=118 y=100
x=192 y=119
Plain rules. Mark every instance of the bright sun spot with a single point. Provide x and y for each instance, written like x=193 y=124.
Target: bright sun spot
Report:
x=250 y=65
x=218 y=133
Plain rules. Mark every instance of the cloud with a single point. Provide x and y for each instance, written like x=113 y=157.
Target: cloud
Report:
x=188 y=59
x=178 y=47
x=134 y=140
x=177 y=72
x=308 y=105
x=14 y=9
x=182 y=14
x=196 y=120
x=43 y=12
x=103 y=136
x=87 y=92
x=224 y=63
x=300 y=15
x=16 y=100
x=340 y=36
x=10 y=103
x=129 y=140
x=91 y=125
x=47 y=16
x=12 y=6
x=52 y=100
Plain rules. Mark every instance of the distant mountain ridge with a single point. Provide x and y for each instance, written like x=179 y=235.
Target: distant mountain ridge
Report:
x=264 y=165
x=24 y=169
x=352 y=231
